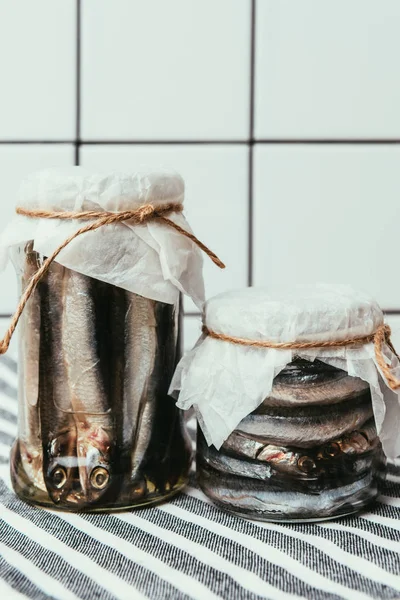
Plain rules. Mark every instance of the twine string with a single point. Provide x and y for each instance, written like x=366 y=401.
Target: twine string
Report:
x=379 y=337
x=98 y=219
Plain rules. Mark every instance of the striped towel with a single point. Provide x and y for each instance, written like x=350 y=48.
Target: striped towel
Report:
x=188 y=548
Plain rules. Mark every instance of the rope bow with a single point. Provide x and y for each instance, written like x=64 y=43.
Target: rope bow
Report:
x=379 y=337
x=98 y=219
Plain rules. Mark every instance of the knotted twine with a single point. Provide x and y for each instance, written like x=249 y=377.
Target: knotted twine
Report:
x=380 y=336
x=98 y=219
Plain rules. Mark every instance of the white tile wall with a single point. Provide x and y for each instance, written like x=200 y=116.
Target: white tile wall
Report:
x=37 y=46
x=209 y=88
x=394 y=322
x=159 y=70
x=327 y=69
x=16 y=162
x=216 y=200
x=328 y=213
x=191 y=331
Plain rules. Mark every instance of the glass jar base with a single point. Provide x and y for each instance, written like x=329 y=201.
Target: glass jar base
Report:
x=45 y=503
x=129 y=497
x=270 y=519
x=293 y=507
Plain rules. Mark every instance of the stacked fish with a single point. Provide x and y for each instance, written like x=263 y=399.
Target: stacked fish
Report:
x=309 y=451
x=97 y=429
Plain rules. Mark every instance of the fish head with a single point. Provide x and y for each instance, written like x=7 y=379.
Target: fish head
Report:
x=60 y=466
x=32 y=462
x=95 y=451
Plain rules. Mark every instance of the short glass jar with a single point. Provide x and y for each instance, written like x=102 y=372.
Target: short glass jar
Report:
x=316 y=461
x=295 y=417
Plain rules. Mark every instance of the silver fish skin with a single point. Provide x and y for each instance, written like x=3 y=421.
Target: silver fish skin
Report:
x=292 y=462
x=169 y=452
x=289 y=462
x=30 y=441
x=368 y=430
x=140 y=354
x=359 y=441
x=279 y=458
x=58 y=428
x=89 y=399
x=305 y=427
x=228 y=464
x=356 y=442
x=265 y=501
x=342 y=389
x=242 y=445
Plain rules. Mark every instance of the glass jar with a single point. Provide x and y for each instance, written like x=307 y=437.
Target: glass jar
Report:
x=96 y=427
x=296 y=416
x=98 y=336
x=310 y=451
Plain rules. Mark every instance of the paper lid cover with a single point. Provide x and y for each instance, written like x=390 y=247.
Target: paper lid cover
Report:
x=151 y=259
x=299 y=313
x=71 y=188
x=225 y=381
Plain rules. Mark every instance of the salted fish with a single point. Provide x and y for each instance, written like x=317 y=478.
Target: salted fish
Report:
x=276 y=457
x=226 y=463
x=309 y=451
x=320 y=393
x=88 y=392
x=30 y=441
x=361 y=440
x=140 y=357
x=58 y=429
x=168 y=454
x=263 y=500
x=306 y=427
x=340 y=459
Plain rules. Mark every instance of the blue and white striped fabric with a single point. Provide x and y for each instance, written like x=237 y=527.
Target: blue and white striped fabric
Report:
x=188 y=548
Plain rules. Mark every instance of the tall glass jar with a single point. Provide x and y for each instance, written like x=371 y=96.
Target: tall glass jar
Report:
x=97 y=429
x=98 y=338
x=283 y=462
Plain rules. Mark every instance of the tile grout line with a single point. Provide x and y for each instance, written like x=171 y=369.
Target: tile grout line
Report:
x=327 y=141
x=180 y=341
x=250 y=218
x=248 y=142
x=78 y=83
x=35 y=142
x=391 y=312
x=252 y=69
x=163 y=142
x=388 y=312
x=251 y=144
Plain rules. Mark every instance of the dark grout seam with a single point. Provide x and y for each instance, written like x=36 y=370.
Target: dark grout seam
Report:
x=250 y=142
x=78 y=83
x=251 y=145
x=164 y=142
x=330 y=141
x=35 y=142
x=387 y=312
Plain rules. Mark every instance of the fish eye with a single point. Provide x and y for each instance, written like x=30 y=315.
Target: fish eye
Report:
x=331 y=450
x=99 y=478
x=59 y=477
x=306 y=464
x=364 y=435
